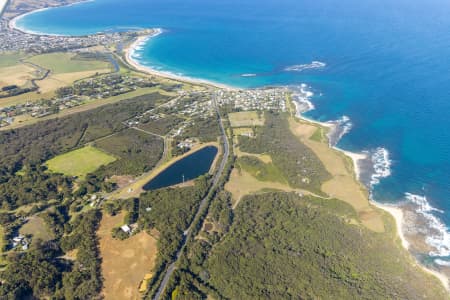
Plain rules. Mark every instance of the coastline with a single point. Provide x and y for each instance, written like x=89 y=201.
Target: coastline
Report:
x=130 y=50
x=12 y=24
x=355 y=157
x=395 y=212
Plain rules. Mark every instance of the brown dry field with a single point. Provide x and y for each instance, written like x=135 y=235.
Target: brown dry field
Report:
x=343 y=185
x=241 y=183
x=242 y=131
x=245 y=119
x=124 y=263
x=18 y=74
x=265 y=158
x=56 y=81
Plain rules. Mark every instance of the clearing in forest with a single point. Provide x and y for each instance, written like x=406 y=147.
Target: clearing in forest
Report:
x=343 y=185
x=246 y=118
x=37 y=228
x=125 y=263
x=79 y=162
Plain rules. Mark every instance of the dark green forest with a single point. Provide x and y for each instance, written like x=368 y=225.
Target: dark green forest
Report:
x=299 y=165
x=138 y=152
x=282 y=246
x=25 y=149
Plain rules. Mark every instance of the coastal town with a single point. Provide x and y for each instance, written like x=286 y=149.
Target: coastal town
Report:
x=13 y=39
x=103 y=87
x=86 y=129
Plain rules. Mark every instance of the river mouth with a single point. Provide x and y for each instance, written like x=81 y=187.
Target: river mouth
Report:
x=188 y=168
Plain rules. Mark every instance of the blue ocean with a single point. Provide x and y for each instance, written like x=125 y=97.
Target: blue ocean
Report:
x=383 y=64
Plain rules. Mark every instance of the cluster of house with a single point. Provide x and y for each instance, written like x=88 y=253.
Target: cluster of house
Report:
x=6 y=120
x=20 y=241
x=129 y=228
x=37 y=109
x=69 y=97
x=187 y=143
x=106 y=86
x=15 y=40
x=203 y=107
x=254 y=99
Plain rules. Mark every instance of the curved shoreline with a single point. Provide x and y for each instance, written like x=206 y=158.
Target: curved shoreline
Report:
x=130 y=50
x=12 y=24
x=394 y=211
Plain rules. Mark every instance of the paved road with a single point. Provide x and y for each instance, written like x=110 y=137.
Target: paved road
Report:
x=203 y=204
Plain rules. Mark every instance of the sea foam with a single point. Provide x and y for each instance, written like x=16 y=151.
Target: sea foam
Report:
x=301 y=95
x=381 y=165
x=339 y=128
x=301 y=67
x=439 y=237
x=249 y=75
x=442 y=262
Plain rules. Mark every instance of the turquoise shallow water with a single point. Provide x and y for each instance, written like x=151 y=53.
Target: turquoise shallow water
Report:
x=387 y=69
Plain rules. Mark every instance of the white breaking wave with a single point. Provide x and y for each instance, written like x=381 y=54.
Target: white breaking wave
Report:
x=299 y=68
x=340 y=127
x=248 y=75
x=440 y=237
x=302 y=98
x=381 y=165
x=442 y=262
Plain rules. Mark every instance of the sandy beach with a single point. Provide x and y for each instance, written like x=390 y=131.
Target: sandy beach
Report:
x=394 y=211
x=13 y=22
x=356 y=157
x=397 y=213
x=129 y=53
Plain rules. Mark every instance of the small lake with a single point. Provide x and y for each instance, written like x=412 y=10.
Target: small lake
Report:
x=191 y=167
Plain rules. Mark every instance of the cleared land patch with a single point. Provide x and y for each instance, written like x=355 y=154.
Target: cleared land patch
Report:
x=124 y=263
x=16 y=75
x=245 y=131
x=37 y=228
x=79 y=162
x=56 y=81
x=260 y=170
x=241 y=183
x=65 y=69
x=59 y=63
x=246 y=118
x=263 y=157
x=343 y=184
x=10 y=59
